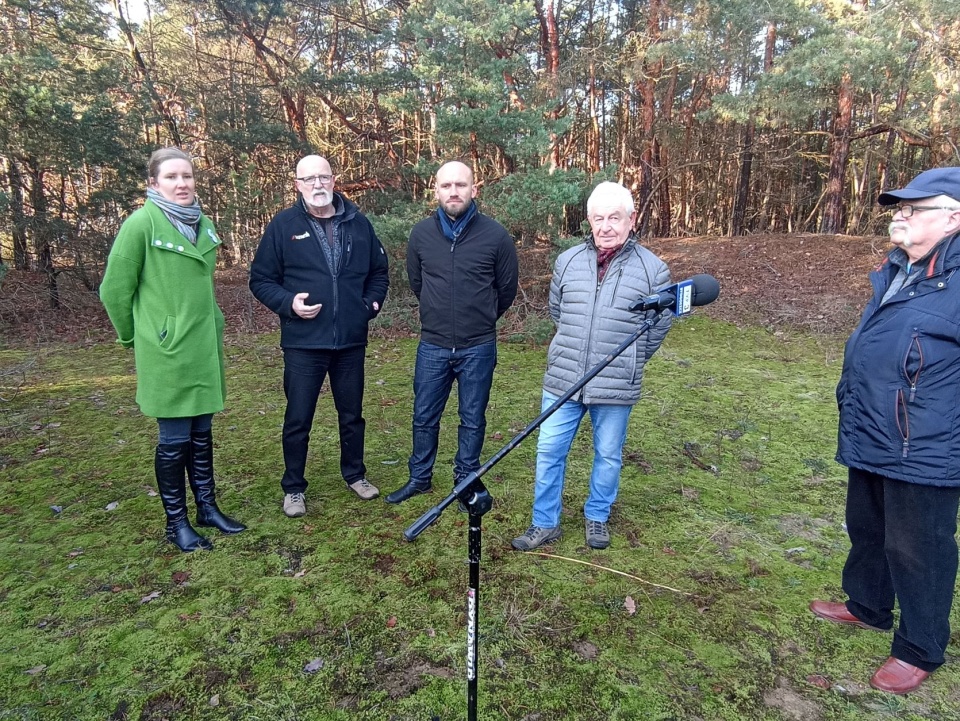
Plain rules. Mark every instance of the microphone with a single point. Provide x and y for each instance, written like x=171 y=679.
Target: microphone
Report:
x=683 y=296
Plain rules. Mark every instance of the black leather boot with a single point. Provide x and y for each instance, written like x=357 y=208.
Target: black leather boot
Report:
x=170 y=463
x=200 y=472
x=413 y=488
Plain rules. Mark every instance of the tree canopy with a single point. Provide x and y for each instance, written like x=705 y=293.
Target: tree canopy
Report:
x=723 y=117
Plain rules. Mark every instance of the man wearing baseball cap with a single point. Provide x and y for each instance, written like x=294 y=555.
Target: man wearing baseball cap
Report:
x=899 y=436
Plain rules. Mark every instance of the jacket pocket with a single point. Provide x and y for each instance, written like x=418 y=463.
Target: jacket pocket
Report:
x=638 y=363
x=901 y=420
x=911 y=368
x=913 y=364
x=168 y=331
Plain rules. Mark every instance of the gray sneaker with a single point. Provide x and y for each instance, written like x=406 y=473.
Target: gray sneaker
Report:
x=598 y=534
x=365 y=489
x=294 y=504
x=536 y=536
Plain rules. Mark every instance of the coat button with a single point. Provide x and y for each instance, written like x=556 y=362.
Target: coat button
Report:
x=169 y=245
x=180 y=248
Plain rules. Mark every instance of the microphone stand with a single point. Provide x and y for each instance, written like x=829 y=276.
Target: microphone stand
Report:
x=473 y=495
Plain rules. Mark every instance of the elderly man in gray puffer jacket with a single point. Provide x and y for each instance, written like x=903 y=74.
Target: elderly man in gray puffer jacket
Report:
x=593 y=287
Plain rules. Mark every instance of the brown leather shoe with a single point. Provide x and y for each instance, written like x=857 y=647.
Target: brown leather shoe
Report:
x=899 y=677
x=838 y=613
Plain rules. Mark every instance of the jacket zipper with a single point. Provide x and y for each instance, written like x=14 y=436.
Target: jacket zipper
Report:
x=904 y=427
x=453 y=290
x=334 y=275
x=902 y=405
x=914 y=343
x=593 y=315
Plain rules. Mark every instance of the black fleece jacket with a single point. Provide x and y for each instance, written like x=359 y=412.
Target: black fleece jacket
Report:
x=463 y=287
x=289 y=260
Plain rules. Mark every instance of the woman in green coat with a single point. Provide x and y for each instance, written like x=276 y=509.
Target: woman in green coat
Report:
x=158 y=292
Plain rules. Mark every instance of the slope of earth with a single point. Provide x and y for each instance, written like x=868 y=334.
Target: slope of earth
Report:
x=814 y=282
x=811 y=282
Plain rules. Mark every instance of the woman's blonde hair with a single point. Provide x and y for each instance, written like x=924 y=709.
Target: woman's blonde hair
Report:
x=159 y=157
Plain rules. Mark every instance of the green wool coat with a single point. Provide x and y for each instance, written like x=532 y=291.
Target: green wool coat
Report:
x=158 y=292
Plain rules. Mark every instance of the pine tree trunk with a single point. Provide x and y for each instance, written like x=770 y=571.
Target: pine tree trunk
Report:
x=832 y=219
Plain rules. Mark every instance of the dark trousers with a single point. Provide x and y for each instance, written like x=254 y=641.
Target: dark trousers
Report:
x=303 y=374
x=904 y=549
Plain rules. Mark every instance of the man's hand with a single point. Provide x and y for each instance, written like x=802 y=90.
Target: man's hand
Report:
x=303 y=310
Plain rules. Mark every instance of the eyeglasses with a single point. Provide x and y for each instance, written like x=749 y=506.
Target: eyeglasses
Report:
x=311 y=179
x=908 y=210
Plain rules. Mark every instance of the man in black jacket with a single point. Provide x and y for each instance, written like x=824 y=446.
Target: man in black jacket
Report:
x=321 y=268
x=462 y=267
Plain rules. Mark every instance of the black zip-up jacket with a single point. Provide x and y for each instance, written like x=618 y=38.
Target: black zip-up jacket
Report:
x=463 y=286
x=290 y=260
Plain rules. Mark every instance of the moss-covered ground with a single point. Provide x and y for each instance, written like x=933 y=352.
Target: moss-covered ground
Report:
x=729 y=521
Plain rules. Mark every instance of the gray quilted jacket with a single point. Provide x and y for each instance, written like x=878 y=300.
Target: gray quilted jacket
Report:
x=592 y=321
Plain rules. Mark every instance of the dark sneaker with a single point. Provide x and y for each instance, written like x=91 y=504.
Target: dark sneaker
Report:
x=365 y=489
x=535 y=537
x=294 y=504
x=598 y=534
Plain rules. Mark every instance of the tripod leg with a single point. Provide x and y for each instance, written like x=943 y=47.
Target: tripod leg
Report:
x=473 y=609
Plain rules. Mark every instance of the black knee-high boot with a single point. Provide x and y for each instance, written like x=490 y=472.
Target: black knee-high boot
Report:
x=200 y=472
x=170 y=463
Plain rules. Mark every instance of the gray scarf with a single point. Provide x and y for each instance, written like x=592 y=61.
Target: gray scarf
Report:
x=183 y=217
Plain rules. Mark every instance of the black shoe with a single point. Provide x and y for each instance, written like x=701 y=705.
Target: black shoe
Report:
x=183 y=536
x=200 y=473
x=170 y=464
x=478 y=495
x=413 y=488
x=461 y=506
x=209 y=516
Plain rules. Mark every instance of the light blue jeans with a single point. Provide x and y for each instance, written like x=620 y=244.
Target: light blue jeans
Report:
x=553 y=446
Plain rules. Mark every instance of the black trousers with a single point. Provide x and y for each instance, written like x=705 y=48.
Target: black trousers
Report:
x=903 y=549
x=303 y=375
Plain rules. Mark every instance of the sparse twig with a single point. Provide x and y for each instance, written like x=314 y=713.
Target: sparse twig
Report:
x=712 y=536
x=611 y=570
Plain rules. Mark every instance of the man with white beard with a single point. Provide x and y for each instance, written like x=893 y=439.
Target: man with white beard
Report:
x=321 y=268
x=899 y=436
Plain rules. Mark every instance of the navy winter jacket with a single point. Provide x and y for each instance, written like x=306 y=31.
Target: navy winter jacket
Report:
x=899 y=391
x=290 y=260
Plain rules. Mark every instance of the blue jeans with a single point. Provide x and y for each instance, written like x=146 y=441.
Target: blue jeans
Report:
x=556 y=436
x=179 y=430
x=433 y=378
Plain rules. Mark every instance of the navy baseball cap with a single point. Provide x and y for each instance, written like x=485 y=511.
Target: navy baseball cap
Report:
x=939 y=181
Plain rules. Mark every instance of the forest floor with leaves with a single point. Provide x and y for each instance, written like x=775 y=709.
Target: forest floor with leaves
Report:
x=729 y=520
x=810 y=282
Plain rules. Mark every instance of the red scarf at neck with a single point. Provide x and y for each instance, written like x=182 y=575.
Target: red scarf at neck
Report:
x=603 y=260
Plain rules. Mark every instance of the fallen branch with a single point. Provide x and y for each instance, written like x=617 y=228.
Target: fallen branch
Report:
x=697 y=462
x=611 y=570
